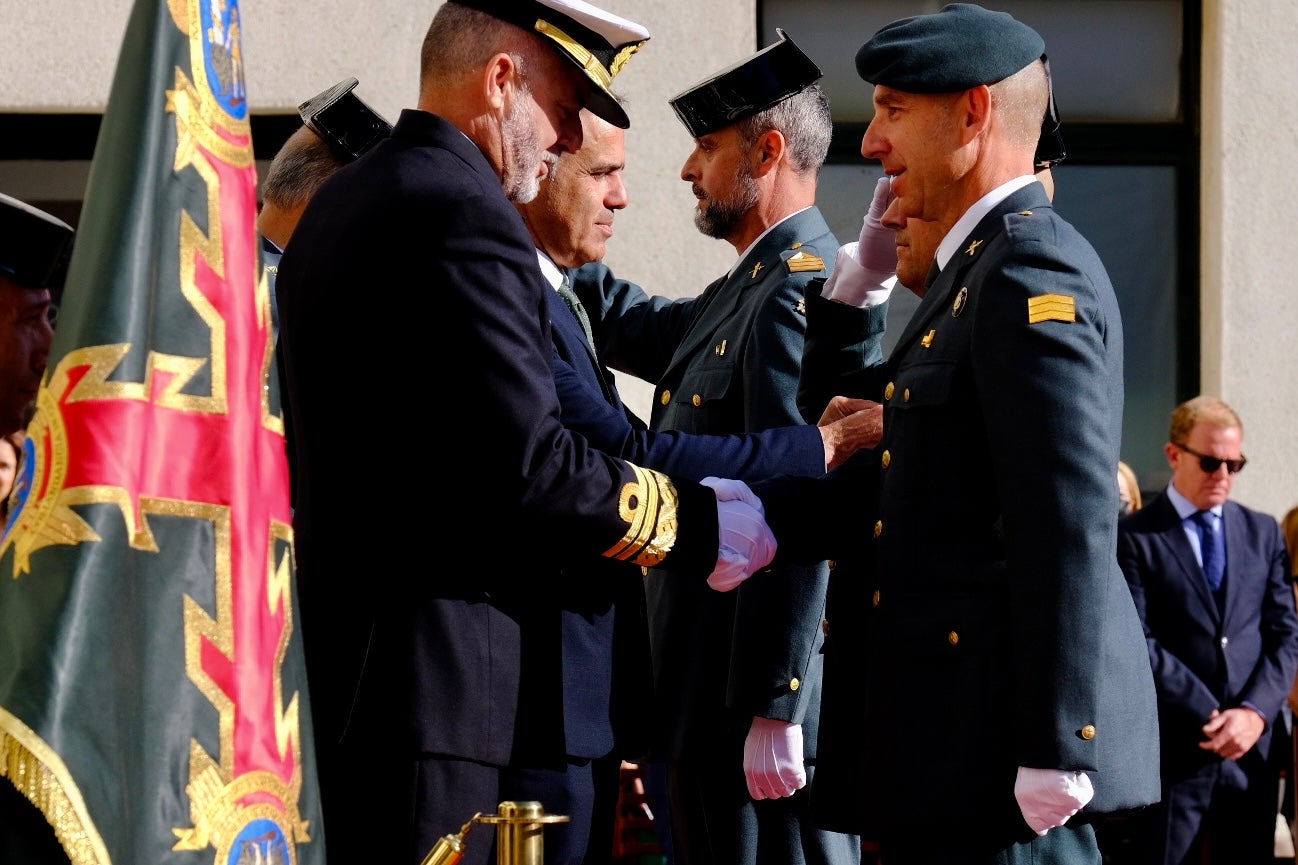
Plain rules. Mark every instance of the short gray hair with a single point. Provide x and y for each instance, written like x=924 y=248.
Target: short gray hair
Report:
x=803 y=119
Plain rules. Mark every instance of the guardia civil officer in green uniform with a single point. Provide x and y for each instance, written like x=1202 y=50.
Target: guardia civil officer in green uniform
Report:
x=1009 y=696
x=737 y=679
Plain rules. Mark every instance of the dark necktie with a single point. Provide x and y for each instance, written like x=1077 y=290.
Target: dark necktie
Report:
x=1213 y=550
x=570 y=297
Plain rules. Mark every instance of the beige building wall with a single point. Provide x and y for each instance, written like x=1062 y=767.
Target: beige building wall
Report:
x=59 y=56
x=1249 y=317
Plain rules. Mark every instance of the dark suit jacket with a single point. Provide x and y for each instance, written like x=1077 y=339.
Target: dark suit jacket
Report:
x=607 y=677
x=726 y=362
x=1205 y=658
x=436 y=499
x=1001 y=631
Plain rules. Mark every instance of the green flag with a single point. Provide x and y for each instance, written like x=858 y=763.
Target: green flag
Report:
x=153 y=702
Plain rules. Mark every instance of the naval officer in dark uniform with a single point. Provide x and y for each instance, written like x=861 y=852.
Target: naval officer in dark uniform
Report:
x=431 y=609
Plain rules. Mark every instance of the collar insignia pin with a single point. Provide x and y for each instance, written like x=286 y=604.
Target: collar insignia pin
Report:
x=973 y=247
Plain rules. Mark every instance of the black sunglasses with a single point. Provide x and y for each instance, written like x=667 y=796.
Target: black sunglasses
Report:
x=1211 y=464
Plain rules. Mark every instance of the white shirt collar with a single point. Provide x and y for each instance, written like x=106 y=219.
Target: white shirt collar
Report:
x=955 y=238
x=1184 y=507
x=549 y=270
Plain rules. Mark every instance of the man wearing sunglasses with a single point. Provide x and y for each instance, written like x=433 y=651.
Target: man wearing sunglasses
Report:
x=1210 y=579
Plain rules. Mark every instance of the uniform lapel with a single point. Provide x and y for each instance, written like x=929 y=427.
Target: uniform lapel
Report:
x=764 y=261
x=1178 y=547
x=942 y=295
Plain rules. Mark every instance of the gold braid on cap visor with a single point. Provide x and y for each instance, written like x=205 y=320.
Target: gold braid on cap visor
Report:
x=585 y=59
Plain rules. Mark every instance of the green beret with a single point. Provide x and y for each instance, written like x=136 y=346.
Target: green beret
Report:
x=960 y=47
x=34 y=246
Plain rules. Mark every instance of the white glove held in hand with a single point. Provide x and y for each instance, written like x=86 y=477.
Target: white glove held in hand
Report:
x=773 y=759
x=862 y=268
x=747 y=544
x=1048 y=797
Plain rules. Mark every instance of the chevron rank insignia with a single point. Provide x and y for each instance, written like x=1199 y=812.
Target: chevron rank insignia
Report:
x=803 y=261
x=1051 y=307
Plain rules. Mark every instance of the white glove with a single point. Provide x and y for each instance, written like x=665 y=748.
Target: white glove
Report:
x=863 y=271
x=773 y=759
x=730 y=490
x=1048 y=797
x=746 y=543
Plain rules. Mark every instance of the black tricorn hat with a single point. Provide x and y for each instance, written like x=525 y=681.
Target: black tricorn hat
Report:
x=745 y=88
x=34 y=246
x=598 y=42
x=344 y=121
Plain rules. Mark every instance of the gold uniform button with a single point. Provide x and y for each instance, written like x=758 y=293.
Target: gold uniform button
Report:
x=887 y=391
x=666 y=397
x=878 y=528
x=824 y=627
x=1088 y=732
x=886 y=459
x=953 y=638
x=875 y=599
x=698 y=400
x=794 y=684
x=905 y=397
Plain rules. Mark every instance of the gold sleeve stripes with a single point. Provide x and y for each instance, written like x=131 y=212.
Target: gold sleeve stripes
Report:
x=648 y=505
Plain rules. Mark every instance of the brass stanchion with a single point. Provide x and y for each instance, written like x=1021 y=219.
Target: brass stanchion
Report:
x=449 y=849
x=519 y=839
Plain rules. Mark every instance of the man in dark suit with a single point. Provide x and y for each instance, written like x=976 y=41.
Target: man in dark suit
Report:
x=1006 y=683
x=1211 y=580
x=737 y=683
x=434 y=656
x=606 y=652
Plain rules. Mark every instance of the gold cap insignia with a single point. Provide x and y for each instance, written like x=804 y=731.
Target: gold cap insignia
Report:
x=1051 y=307
x=804 y=261
x=973 y=247
x=958 y=306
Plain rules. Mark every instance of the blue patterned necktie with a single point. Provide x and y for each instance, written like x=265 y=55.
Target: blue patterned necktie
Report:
x=570 y=297
x=1214 y=552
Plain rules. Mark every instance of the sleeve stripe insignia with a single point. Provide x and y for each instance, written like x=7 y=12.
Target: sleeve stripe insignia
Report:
x=1051 y=307
x=648 y=506
x=801 y=262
